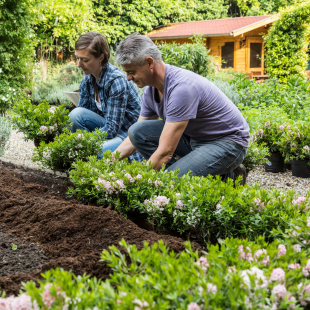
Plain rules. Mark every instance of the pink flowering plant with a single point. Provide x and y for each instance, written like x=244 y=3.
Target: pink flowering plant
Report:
x=238 y=274
x=295 y=142
x=269 y=134
x=41 y=122
x=67 y=148
x=204 y=205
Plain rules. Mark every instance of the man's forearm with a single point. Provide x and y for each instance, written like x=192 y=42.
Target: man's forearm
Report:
x=125 y=148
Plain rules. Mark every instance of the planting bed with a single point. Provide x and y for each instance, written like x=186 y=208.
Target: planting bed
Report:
x=52 y=231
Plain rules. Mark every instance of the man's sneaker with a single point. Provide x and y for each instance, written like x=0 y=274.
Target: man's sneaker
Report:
x=240 y=170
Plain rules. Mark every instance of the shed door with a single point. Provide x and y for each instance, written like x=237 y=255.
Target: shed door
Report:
x=255 y=56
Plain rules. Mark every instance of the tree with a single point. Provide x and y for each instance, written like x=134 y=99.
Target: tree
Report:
x=287 y=42
x=16 y=50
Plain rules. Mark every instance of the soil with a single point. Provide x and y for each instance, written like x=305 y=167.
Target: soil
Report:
x=52 y=231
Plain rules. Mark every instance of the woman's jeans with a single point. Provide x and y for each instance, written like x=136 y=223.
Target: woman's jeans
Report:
x=85 y=119
x=219 y=157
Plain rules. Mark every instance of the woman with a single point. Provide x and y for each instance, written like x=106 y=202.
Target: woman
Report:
x=107 y=100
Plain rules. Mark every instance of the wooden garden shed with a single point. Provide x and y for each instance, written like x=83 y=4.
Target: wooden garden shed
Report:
x=238 y=42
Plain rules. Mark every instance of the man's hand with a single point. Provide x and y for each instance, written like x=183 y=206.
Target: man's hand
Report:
x=168 y=142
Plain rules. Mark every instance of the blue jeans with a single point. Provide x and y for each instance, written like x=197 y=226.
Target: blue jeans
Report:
x=88 y=120
x=219 y=157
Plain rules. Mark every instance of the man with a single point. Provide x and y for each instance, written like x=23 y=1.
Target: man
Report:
x=198 y=122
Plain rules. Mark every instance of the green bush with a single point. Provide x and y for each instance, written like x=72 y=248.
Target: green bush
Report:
x=191 y=56
x=40 y=122
x=205 y=204
x=230 y=90
x=292 y=97
x=67 y=148
x=5 y=131
x=256 y=155
x=60 y=79
x=238 y=275
x=16 y=50
x=295 y=142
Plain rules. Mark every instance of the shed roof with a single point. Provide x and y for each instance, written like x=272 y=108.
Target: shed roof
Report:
x=208 y=28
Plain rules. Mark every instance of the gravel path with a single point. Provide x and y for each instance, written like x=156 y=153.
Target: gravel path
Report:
x=21 y=151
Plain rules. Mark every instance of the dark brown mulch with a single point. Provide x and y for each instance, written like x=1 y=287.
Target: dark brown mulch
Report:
x=70 y=235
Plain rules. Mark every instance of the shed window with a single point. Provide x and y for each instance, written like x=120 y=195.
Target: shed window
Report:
x=228 y=55
x=256 y=55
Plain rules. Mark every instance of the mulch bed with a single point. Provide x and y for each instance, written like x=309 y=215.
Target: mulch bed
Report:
x=52 y=231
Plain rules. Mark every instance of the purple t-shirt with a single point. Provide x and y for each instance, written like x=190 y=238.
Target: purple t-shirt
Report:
x=189 y=96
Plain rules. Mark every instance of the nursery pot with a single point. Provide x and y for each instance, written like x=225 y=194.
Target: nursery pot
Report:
x=300 y=168
x=275 y=163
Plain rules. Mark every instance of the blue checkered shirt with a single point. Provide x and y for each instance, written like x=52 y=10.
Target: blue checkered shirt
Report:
x=120 y=101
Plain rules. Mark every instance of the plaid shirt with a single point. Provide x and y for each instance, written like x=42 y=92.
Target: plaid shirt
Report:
x=120 y=101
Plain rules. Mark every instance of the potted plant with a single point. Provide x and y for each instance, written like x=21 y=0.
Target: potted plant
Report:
x=295 y=145
x=269 y=135
x=41 y=122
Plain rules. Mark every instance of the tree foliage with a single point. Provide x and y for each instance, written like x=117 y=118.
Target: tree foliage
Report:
x=16 y=49
x=287 y=42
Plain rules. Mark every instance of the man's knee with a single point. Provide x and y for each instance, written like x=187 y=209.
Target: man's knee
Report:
x=135 y=132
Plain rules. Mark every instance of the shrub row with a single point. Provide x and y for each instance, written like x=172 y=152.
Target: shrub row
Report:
x=204 y=204
x=238 y=274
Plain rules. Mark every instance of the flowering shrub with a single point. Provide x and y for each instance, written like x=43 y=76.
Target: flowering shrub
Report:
x=256 y=155
x=205 y=204
x=295 y=142
x=68 y=147
x=237 y=275
x=270 y=135
x=40 y=122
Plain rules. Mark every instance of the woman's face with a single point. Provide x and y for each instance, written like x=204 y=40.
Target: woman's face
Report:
x=89 y=63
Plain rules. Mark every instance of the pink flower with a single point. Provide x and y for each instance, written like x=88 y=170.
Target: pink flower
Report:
x=293 y=145
x=260 y=279
x=297 y=247
x=131 y=179
x=306 y=270
x=259 y=252
x=203 y=263
x=120 y=184
x=35 y=110
x=281 y=127
x=293 y=266
x=282 y=250
x=299 y=200
x=288 y=126
x=308 y=222
x=43 y=128
x=22 y=302
x=179 y=204
x=277 y=274
x=267 y=124
x=232 y=269
x=307 y=148
x=218 y=207
x=211 y=288
x=157 y=183
x=193 y=306
x=261 y=132
x=79 y=136
x=47 y=298
x=52 y=110
x=279 y=291
x=171 y=186
x=265 y=261
x=138 y=176
x=142 y=304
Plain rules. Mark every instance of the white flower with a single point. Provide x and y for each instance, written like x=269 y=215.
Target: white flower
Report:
x=0 y=70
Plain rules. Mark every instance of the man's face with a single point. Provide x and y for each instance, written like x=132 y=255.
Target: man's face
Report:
x=87 y=62
x=140 y=75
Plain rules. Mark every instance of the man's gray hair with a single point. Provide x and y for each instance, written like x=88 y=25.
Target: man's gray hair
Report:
x=134 y=49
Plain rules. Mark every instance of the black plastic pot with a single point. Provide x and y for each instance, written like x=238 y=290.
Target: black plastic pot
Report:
x=300 y=168
x=275 y=163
